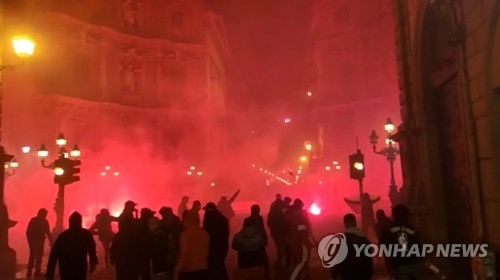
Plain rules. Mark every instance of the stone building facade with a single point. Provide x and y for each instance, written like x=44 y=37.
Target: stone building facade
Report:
x=449 y=77
x=144 y=71
x=355 y=84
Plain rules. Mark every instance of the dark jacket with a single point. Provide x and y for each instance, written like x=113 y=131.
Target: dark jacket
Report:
x=161 y=251
x=399 y=234
x=71 y=249
x=217 y=227
x=38 y=229
x=354 y=267
x=276 y=220
x=125 y=254
x=257 y=222
x=250 y=245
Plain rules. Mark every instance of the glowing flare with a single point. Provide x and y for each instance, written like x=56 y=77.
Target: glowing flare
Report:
x=116 y=173
x=314 y=209
x=26 y=149
x=107 y=167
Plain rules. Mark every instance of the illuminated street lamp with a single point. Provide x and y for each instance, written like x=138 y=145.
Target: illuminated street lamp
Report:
x=26 y=149
x=65 y=169
x=23 y=48
x=10 y=168
x=390 y=152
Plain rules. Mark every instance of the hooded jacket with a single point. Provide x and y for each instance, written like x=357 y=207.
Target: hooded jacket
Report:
x=71 y=249
x=193 y=245
x=250 y=245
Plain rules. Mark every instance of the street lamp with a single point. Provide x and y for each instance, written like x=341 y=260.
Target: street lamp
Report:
x=10 y=168
x=390 y=152
x=64 y=168
x=23 y=48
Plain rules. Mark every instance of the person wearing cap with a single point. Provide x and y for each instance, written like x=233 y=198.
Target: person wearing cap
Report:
x=194 y=246
x=172 y=225
x=217 y=227
x=129 y=213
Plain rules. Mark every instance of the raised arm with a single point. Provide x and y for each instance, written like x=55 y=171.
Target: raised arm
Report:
x=355 y=202
x=233 y=198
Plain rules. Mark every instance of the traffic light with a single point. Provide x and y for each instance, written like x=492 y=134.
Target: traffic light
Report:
x=66 y=170
x=357 y=166
x=73 y=170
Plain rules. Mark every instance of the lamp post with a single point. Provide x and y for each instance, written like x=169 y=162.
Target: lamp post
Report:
x=23 y=48
x=10 y=168
x=63 y=175
x=390 y=152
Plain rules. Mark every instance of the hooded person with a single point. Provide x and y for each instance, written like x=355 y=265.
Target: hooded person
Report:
x=74 y=249
x=217 y=227
x=250 y=245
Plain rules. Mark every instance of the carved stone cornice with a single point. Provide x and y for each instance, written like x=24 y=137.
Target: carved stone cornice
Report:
x=92 y=34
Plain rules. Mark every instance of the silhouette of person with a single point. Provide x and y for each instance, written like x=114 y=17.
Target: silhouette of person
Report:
x=71 y=249
x=161 y=267
x=225 y=207
x=125 y=251
x=354 y=267
x=299 y=238
x=256 y=220
x=146 y=238
x=182 y=207
x=277 y=203
x=367 y=215
x=217 y=227
x=129 y=212
x=172 y=225
x=276 y=224
x=102 y=228
x=402 y=234
x=250 y=245
x=38 y=229
x=194 y=247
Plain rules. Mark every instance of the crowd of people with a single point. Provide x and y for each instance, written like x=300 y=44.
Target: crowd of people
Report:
x=182 y=246
x=185 y=246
